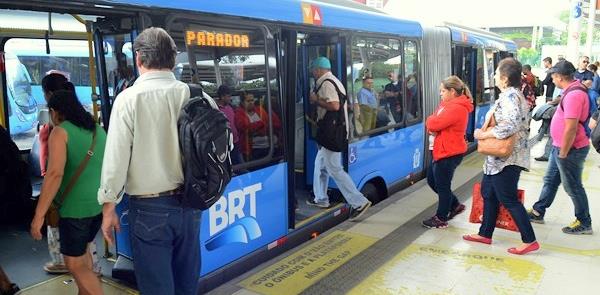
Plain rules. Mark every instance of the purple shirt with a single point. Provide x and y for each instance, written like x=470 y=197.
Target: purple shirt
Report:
x=228 y=111
x=576 y=106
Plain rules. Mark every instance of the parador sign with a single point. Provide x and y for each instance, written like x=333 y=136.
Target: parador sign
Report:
x=308 y=265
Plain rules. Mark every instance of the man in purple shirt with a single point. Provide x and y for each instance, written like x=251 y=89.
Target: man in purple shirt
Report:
x=570 y=148
x=224 y=102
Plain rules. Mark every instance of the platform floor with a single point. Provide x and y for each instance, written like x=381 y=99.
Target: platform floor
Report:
x=389 y=252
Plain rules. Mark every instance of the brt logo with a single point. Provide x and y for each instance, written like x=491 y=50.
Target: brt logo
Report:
x=233 y=218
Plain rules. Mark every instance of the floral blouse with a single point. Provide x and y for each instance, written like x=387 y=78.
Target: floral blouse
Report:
x=511 y=113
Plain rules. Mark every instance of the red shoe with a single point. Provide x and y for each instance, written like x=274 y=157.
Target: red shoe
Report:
x=477 y=239
x=532 y=247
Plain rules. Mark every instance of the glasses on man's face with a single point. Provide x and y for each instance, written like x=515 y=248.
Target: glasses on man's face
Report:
x=586 y=61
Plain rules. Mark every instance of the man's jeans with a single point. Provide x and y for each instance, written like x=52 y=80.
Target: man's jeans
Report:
x=568 y=171
x=439 y=178
x=166 y=246
x=499 y=189
x=330 y=163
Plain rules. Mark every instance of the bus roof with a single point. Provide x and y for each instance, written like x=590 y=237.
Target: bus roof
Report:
x=292 y=11
x=480 y=38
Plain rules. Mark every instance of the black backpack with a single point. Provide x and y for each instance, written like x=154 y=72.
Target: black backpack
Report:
x=331 y=129
x=205 y=140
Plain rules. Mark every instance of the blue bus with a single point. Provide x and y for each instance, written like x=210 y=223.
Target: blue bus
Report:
x=266 y=49
x=22 y=107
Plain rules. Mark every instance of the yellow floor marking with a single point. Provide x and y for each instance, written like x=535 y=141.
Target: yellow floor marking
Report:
x=65 y=285
x=325 y=211
x=308 y=265
x=555 y=248
x=425 y=269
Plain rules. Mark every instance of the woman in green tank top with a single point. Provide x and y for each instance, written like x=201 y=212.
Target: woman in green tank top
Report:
x=74 y=136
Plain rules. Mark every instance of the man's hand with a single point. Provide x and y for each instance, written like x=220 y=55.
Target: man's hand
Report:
x=110 y=222
x=313 y=97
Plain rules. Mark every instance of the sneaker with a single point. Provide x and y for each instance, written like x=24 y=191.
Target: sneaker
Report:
x=457 y=210
x=53 y=268
x=357 y=213
x=576 y=228
x=434 y=222
x=542 y=159
x=535 y=217
x=317 y=204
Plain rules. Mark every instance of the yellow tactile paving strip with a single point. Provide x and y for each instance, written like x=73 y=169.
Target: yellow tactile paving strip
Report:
x=311 y=263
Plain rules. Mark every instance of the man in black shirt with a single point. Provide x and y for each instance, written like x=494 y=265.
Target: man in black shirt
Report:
x=392 y=97
x=548 y=80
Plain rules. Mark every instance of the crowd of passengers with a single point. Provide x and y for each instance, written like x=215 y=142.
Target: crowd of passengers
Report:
x=164 y=235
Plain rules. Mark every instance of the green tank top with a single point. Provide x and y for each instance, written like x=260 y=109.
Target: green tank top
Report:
x=82 y=201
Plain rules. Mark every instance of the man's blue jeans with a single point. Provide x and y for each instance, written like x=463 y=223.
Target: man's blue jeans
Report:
x=568 y=171
x=166 y=245
x=330 y=163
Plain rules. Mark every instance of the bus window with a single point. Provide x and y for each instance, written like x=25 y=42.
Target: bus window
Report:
x=488 y=79
x=118 y=51
x=27 y=66
x=479 y=78
x=374 y=86
x=236 y=58
x=412 y=84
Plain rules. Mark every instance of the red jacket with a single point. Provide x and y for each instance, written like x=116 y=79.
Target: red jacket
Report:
x=449 y=123
x=247 y=130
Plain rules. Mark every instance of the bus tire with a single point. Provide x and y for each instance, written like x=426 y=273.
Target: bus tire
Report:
x=369 y=190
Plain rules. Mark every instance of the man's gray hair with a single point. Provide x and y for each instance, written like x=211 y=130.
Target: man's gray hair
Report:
x=156 y=48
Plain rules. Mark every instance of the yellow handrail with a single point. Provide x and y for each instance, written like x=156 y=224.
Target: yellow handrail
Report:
x=92 y=62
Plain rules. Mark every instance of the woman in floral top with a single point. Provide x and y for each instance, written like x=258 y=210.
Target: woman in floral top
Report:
x=501 y=175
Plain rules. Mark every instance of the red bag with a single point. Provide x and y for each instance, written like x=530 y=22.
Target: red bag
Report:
x=504 y=219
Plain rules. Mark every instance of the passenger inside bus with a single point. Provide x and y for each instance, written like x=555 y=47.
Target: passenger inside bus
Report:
x=252 y=122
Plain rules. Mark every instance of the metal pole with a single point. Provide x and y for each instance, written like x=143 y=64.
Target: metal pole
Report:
x=576 y=14
x=590 y=29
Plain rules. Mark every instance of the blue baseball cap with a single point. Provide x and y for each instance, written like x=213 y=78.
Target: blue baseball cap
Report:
x=321 y=63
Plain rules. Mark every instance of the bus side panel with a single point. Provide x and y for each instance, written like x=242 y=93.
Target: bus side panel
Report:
x=251 y=214
x=480 y=112
x=395 y=155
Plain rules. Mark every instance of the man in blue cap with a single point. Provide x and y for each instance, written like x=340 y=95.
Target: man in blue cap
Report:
x=328 y=162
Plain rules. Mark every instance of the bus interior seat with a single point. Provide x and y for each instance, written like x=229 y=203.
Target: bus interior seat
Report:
x=34 y=166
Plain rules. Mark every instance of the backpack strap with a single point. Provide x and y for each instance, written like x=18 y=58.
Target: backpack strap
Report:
x=568 y=90
x=341 y=96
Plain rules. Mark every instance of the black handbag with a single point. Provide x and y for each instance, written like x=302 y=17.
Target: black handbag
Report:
x=331 y=129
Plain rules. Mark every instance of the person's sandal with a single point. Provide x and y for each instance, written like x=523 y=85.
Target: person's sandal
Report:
x=53 y=268
x=482 y=240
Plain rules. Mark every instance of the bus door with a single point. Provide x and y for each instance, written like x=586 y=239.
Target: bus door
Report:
x=484 y=90
x=309 y=46
x=113 y=41
x=465 y=67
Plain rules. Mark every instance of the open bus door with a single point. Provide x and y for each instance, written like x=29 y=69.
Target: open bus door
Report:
x=464 y=65
x=309 y=46
x=113 y=41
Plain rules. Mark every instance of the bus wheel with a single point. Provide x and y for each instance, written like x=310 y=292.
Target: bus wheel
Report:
x=371 y=193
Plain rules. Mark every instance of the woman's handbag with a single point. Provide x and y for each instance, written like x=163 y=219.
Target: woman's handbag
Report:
x=493 y=146
x=52 y=215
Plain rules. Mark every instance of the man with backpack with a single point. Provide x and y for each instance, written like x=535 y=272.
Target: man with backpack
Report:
x=143 y=158
x=330 y=97
x=570 y=148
